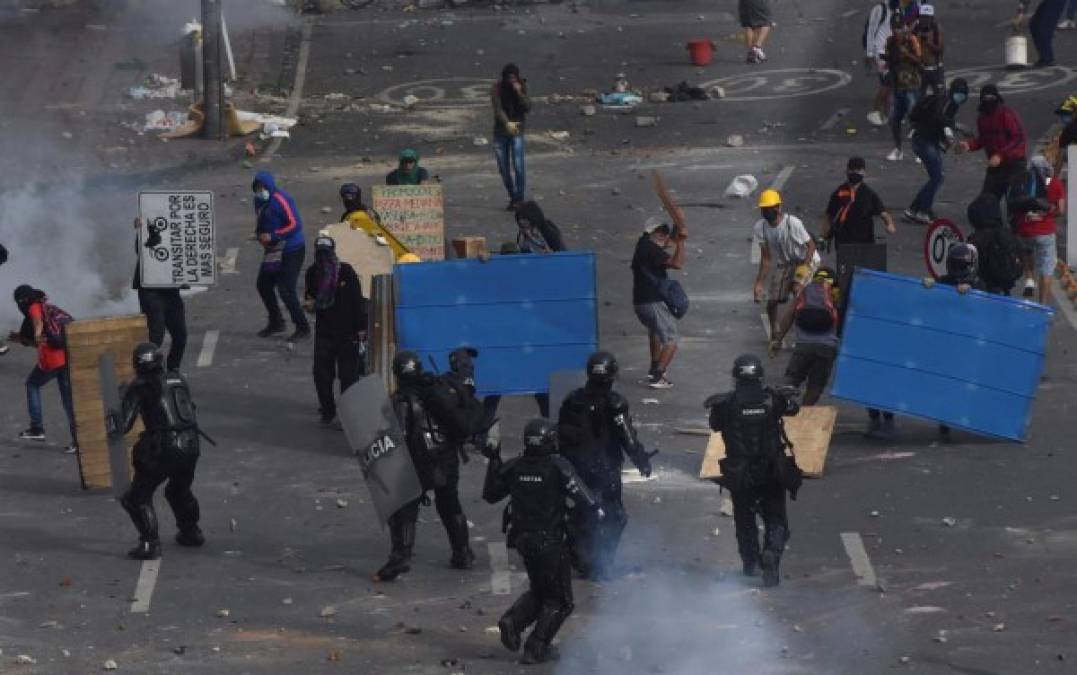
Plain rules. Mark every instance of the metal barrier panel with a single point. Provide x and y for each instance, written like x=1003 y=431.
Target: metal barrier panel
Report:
x=972 y=362
x=528 y=316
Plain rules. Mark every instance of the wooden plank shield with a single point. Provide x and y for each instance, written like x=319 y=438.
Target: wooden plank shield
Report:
x=809 y=430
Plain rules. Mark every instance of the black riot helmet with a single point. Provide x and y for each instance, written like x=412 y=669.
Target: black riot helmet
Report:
x=748 y=368
x=962 y=262
x=540 y=437
x=147 y=358
x=407 y=366
x=462 y=361
x=602 y=368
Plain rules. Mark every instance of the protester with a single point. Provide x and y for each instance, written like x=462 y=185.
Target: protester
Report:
x=335 y=294
x=815 y=316
x=933 y=121
x=782 y=239
x=408 y=172
x=853 y=207
x=904 y=58
x=511 y=105
x=650 y=263
x=42 y=327
x=359 y=216
x=1066 y=115
x=876 y=34
x=1070 y=22
x=1002 y=136
x=537 y=234
x=1036 y=228
x=755 y=18
x=163 y=307
x=1042 y=25
x=280 y=232
x=1000 y=263
x=929 y=34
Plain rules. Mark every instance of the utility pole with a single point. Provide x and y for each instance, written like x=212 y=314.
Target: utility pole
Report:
x=213 y=90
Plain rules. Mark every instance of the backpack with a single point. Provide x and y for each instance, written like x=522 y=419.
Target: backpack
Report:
x=1000 y=256
x=867 y=25
x=1028 y=194
x=672 y=293
x=816 y=312
x=55 y=320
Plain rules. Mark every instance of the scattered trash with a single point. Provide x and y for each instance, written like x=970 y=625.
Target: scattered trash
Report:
x=717 y=532
x=683 y=91
x=342 y=503
x=110 y=665
x=492 y=630
x=620 y=100
x=644 y=122
x=658 y=96
x=650 y=401
x=25 y=660
x=741 y=187
x=998 y=628
x=223 y=613
x=716 y=92
x=949 y=522
x=734 y=141
x=561 y=136
x=904 y=660
x=286 y=601
x=155 y=86
x=159 y=120
x=337 y=96
x=726 y=508
x=49 y=624
x=328 y=611
x=588 y=110
x=327 y=209
x=410 y=100
x=940 y=637
x=479 y=141
x=874 y=514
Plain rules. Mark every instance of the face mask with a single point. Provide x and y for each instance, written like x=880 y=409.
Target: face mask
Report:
x=263 y=195
x=770 y=214
x=1066 y=118
x=988 y=106
x=854 y=178
x=960 y=98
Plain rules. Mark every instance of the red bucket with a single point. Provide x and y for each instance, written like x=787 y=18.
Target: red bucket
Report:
x=701 y=52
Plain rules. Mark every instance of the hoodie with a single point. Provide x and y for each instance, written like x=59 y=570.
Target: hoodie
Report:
x=278 y=217
x=545 y=238
x=999 y=132
x=995 y=242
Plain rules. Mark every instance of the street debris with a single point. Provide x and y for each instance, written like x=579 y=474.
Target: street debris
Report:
x=727 y=507
x=658 y=96
x=644 y=122
x=334 y=656
x=588 y=110
x=159 y=120
x=734 y=141
x=110 y=665
x=949 y=522
x=716 y=92
x=327 y=612
x=683 y=91
x=223 y=613
x=619 y=100
x=479 y=142
x=25 y=660
x=741 y=186
x=717 y=532
x=650 y=401
x=410 y=100
x=342 y=503
x=155 y=86
x=998 y=628
x=286 y=601
x=561 y=136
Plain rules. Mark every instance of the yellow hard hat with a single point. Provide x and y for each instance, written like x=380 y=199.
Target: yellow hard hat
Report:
x=1068 y=106
x=408 y=258
x=769 y=198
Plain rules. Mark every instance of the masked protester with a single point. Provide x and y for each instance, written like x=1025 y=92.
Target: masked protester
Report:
x=538 y=483
x=1002 y=136
x=757 y=470
x=408 y=172
x=596 y=432
x=163 y=308
x=334 y=293
x=168 y=449
x=280 y=232
x=437 y=415
x=511 y=106
x=933 y=121
x=42 y=328
x=784 y=242
x=929 y=34
x=650 y=266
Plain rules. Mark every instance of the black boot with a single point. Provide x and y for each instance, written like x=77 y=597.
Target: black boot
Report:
x=537 y=648
x=190 y=536
x=518 y=617
x=750 y=566
x=402 y=536
x=145 y=520
x=462 y=556
x=272 y=328
x=187 y=513
x=771 y=577
x=146 y=550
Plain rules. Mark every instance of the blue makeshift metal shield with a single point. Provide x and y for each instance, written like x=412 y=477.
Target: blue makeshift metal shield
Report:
x=527 y=315
x=971 y=362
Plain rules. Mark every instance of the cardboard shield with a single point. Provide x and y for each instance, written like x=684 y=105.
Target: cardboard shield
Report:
x=375 y=436
x=563 y=383
x=117 y=445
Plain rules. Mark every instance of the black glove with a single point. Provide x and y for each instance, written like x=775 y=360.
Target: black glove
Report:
x=3 y=254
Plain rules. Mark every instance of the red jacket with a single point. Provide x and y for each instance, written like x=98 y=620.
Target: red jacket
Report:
x=1000 y=133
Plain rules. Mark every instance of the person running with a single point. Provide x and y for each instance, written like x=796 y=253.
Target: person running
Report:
x=1001 y=135
x=905 y=58
x=933 y=121
x=755 y=18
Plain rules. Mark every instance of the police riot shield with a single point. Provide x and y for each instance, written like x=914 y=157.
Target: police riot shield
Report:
x=117 y=445
x=375 y=436
x=563 y=383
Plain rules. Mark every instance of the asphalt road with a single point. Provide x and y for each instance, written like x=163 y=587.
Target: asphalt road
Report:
x=292 y=541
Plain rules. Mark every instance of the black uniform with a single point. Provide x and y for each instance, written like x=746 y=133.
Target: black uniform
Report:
x=756 y=470
x=339 y=328
x=168 y=449
x=596 y=432
x=164 y=310
x=436 y=452
x=537 y=483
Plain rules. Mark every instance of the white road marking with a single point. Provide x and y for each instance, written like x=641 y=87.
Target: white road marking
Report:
x=858 y=556
x=500 y=577
x=228 y=262
x=782 y=177
x=147 y=581
x=833 y=120
x=297 y=87
x=209 y=345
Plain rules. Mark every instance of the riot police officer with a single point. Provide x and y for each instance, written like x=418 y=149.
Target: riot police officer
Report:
x=757 y=470
x=537 y=483
x=436 y=455
x=595 y=432
x=168 y=449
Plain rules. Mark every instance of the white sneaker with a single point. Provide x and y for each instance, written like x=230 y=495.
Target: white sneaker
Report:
x=660 y=383
x=760 y=55
x=4 y=349
x=876 y=118
x=1067 y=24
x=895 y=156
x=1030 y=288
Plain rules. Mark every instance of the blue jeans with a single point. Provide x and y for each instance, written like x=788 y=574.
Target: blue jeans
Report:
x=904 y=102
x=39 y=378
x=282 y=281
x=508 y=148
x=1042 y=27
x=1071 y=10
x=931 y=156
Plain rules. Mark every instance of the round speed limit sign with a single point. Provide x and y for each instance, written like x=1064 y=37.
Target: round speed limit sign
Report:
x=941 y=235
